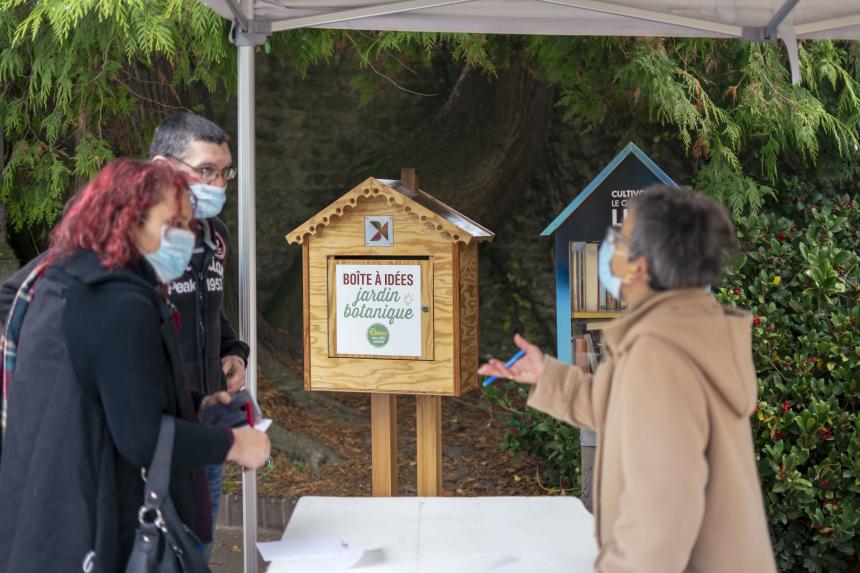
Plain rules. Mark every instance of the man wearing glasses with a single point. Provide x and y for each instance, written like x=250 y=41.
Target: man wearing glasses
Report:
x=215 y=358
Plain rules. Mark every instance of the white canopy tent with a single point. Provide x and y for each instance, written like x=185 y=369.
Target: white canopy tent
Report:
x=254 y=20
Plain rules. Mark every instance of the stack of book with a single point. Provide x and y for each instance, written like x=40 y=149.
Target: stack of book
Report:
x=587 y=349
x=587 y=295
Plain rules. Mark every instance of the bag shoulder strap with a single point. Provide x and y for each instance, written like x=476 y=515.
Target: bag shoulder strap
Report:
x=158 y=475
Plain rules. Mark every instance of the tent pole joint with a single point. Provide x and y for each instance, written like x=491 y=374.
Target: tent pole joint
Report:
x=256 y=33
x=756 y=34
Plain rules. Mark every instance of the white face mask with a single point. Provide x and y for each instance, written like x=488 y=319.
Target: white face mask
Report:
x=208 y=199
x=173 y=254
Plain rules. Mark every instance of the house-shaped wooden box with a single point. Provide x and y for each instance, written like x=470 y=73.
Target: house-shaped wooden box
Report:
x=390 y=292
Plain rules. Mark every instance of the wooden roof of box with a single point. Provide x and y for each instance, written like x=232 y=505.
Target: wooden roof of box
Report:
x=424 y=208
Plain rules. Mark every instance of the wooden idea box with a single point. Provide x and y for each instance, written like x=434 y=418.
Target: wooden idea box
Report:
x=390 y=292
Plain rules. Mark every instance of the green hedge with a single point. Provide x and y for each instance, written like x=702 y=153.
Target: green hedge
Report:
x=799 y=276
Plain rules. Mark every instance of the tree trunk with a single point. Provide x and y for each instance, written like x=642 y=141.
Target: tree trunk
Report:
x=481 y=147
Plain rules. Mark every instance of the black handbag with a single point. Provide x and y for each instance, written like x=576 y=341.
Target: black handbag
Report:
x=162 y=543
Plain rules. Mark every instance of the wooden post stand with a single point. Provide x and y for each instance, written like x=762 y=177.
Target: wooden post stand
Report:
x=383 y=423
x=428 y=424
x=390 y=298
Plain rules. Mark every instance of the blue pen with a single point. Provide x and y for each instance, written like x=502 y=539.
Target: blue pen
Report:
x=508 y=364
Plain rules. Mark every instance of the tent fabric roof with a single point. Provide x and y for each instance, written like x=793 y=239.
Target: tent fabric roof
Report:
x=428 y=210
x=834 y=19
x=630 y=148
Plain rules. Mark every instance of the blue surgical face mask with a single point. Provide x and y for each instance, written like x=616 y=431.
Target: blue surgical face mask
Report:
x=610 y=282
x=173 y=254
x=208 y=199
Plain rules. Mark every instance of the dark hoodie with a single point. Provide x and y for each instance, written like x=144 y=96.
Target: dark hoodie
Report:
x=676 y=486
x=97 y=367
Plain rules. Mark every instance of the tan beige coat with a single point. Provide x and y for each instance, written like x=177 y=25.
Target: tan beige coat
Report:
x=676 y=487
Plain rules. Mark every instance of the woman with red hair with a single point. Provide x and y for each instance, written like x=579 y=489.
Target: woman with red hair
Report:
x=93 y=367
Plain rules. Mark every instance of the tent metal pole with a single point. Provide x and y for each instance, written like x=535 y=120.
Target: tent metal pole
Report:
x=651 y=16
x=778 y=18
x=248 y=268
x=359 y=13
x=825 y=25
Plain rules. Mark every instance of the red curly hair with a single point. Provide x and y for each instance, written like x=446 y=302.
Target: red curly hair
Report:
x=102 y=216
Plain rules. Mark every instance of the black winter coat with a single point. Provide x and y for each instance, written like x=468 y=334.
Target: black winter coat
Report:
x=199 y=295
x=97 y=367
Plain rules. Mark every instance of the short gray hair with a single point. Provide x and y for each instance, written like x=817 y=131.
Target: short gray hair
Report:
x=685 y=236
x=174 y=134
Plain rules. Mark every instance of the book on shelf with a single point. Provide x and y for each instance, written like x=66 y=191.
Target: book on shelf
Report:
x=587 y=348
x=585 y=295
x=591 y=283
x=591 y=352
x=580 y=357
x=613 y=304
x=577 y=264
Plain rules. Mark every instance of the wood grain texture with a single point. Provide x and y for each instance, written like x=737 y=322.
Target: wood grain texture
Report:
x=455 y=264
x=306 y=313
x=468 y=313
x=372 y=374
x=372 y=189
x=428 y=424
x=383 y=426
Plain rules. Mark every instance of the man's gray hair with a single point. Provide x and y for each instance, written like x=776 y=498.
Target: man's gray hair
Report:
x=685 y=236
x=174 y=134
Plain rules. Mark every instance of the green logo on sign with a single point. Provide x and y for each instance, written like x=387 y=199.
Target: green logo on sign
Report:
x=377 y=335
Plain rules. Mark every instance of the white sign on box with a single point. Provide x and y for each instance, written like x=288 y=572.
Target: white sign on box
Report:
x=378 y=310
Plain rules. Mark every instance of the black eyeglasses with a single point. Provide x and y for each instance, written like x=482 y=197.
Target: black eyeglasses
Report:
x=208 y=174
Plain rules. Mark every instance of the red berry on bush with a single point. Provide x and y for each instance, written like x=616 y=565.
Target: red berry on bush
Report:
x=785 y=406
x=737 y=291
x=780 y=236
x=777 y=435
x=756 y=321
x=825 y=433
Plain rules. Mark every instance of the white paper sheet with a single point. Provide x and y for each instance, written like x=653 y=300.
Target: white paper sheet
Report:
x=263 y=424
x=324 y=554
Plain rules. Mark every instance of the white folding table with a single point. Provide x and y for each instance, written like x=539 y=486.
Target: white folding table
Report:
x=449 y=534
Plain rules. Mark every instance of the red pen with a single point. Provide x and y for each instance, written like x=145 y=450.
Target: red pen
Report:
x=249 y=413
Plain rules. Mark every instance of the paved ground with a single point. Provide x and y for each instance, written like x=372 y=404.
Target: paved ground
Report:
x=228 y=557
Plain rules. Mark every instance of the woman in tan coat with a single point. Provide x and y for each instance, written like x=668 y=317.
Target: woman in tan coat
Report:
x=676 y=486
